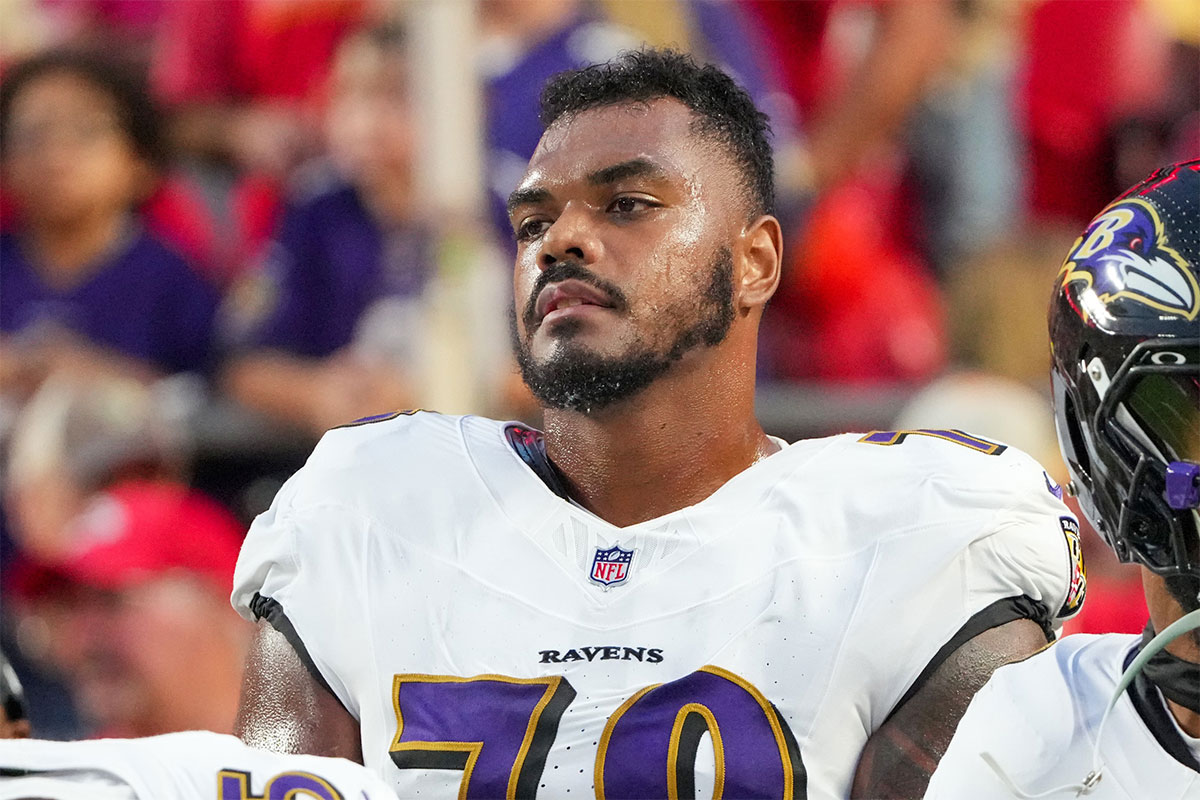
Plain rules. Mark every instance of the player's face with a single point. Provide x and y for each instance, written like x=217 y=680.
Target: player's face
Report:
x=624 y=224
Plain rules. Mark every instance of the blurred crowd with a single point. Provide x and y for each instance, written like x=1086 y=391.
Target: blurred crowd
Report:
x=222 y=232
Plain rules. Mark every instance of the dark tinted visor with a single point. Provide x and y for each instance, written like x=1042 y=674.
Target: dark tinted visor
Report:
x=1167 y=406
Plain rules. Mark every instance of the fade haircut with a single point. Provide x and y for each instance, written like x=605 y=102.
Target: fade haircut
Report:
x=724 y=111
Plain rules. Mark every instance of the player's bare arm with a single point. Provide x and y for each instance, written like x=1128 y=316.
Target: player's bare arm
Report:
x=284 y=708
x=902 y=754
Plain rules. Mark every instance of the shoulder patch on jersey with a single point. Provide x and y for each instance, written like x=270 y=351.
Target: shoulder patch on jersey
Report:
x=889 y=438
x=1078 y=586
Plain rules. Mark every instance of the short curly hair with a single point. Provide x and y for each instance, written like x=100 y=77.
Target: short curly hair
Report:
x=725 y=113
x=137 y=114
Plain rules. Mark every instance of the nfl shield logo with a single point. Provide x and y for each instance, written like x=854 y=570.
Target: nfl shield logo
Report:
x=611 y=566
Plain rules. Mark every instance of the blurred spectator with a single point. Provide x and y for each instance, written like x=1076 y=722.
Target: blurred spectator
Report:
x=238 y=75
x=136 y=615
x=964 y=144
x=336 y=306
x=856 y=71
x=991 y=406
x=1166 y=127
x=85 y=287
x=858 y=302
x=125 y=28
x=119 y=573
x=73 y=438
x=1090 y=66
x=997 y=301
x=522 y=44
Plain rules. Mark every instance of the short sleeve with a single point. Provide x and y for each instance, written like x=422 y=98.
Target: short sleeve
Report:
x=300 y=568
x=980 y=541
x=1031 y=548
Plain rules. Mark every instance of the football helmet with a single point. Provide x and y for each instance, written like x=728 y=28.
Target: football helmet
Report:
x=1125 y=337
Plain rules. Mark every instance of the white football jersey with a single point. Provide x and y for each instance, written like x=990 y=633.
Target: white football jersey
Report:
x=1039 y=719
x=490 y=635
x=195 y=765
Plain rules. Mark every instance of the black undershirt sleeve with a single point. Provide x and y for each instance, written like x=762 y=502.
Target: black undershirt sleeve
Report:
x=270 y=610
x=998 y=613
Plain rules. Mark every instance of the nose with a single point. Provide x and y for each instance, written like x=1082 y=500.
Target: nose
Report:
x=573 y=235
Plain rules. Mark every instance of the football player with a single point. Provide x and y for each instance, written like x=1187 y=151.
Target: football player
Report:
x=653 y=597
x=193 y=765
x=1115 y=716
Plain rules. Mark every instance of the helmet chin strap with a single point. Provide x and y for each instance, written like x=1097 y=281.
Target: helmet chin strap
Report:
x=1188 y=622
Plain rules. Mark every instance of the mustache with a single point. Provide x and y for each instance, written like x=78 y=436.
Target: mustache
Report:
x=565 y=270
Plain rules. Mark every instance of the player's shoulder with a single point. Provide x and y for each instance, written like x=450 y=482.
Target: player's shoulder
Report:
x=399 y=449
x=926 y=458
x=1078 y=664
x=1069 y=680
x=1033 y=724
x=404 y=436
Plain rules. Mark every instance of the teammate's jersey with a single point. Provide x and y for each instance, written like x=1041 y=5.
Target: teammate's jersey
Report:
x=485 y=630
x=195 y=765
x=1040 y=720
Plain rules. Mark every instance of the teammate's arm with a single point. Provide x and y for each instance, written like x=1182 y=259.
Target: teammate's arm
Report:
x=285 y=708
x=901 y=755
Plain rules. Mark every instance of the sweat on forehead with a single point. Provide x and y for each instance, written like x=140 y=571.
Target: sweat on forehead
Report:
x=723 y=111
x=660 y=139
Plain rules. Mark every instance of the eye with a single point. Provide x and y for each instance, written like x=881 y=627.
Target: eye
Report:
x=531 y=229
x=626 y=204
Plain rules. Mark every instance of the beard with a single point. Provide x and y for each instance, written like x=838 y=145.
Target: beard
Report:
x=577 y=379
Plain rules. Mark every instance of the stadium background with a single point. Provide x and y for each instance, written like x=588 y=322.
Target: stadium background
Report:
x=935 y=160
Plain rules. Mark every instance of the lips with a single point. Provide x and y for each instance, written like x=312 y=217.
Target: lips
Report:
x=568 y=294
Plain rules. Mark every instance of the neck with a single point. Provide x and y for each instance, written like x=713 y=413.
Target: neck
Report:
x=1164 y=610
x=690 y=432
x=1188 y=720
x=65 y=250
x=1186 y=647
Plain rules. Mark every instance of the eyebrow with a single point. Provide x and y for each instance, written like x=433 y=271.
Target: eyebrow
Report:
x=526 y=197
x=633 y=168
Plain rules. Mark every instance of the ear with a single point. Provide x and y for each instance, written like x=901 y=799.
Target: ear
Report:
x=759 y=259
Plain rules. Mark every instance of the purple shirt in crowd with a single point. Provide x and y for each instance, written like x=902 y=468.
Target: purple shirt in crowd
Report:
x=330 y=262
x=143 y=300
